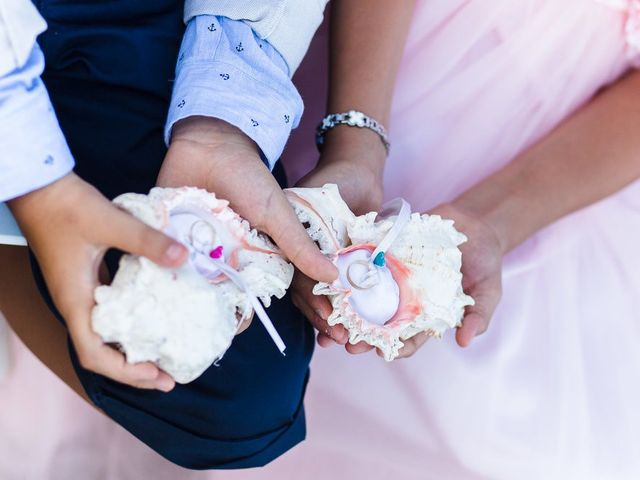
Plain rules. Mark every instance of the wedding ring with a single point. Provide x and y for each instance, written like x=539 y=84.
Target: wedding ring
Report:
x=366 y=277
x=198 y=229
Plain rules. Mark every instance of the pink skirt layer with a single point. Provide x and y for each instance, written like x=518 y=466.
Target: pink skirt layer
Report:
x=550 y=390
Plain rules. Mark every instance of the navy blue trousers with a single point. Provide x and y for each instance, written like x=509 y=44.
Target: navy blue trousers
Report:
x=109 y=70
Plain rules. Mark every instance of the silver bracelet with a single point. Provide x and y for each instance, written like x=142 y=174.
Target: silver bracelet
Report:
x=352 y=118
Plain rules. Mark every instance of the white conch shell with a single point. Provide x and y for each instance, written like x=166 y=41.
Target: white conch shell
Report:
x=185 y=319
x=420 y=287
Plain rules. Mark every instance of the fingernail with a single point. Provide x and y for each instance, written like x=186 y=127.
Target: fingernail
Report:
x=174 y=252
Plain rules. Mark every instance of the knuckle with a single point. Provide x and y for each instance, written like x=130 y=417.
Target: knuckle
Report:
x=295 y=253
x=262 y=219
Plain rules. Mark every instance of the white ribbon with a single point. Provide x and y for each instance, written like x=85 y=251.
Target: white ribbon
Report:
x=235 y=277
x=202 y=249
x=401 y=208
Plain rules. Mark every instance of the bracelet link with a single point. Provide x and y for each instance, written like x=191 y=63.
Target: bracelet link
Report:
x=352 y=118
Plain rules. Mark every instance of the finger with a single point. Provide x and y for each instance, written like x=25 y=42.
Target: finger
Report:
x=322 y=308
x=162 y=382
x=340 y=334
x=289 y=234
x=304 y=307
x=325 y=341
x=472 y=324
x=94 y=355
x=336 y=333
x=412 y=345
x=245 y=324
x=358 y=348
x=110 y=363
x=477 y=317
x=319 y=303
x=486 y=295
x=125 y=232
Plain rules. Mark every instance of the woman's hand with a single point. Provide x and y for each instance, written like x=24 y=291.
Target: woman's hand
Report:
x=69 y=226
x=482 y=279
x=481 y=274
x=353 y=159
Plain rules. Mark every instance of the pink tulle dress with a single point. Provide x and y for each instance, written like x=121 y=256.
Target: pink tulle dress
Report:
x=551 y=390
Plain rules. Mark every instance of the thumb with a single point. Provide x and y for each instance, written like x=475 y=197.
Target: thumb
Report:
x=286 y=230
x=477 y=317
x=472 y=324
x=125 y=232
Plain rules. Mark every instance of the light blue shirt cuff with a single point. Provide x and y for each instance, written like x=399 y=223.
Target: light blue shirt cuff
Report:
x=33 y=150
x=226 y=71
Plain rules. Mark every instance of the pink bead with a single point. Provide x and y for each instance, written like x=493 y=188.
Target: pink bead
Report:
x=216 y=253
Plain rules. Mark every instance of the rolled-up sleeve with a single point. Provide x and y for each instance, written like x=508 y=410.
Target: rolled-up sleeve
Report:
x=288 y=25
x=33 y=150
x=226 y=71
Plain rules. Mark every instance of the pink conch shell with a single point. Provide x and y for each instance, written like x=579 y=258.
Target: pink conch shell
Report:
x=419 y=289
x=185 y=319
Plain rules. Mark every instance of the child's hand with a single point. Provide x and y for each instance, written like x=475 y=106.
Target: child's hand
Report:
x=214 y=155
x=69 y=226
x=354 y=160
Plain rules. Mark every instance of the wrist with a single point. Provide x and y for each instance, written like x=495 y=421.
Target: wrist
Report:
x=354 y=145
x=503 y=212
x=30 y=205
x=209 y=131
x=39 y=211
x=355 y=120
x=204 y=152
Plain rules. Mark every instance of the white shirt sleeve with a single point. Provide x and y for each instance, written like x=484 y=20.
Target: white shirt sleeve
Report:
x=33 y=150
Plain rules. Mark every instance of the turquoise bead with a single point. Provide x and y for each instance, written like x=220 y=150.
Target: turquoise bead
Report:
x=379 y=260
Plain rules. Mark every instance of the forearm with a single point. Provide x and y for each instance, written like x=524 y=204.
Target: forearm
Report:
x=367 y=41
x=593 y=154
